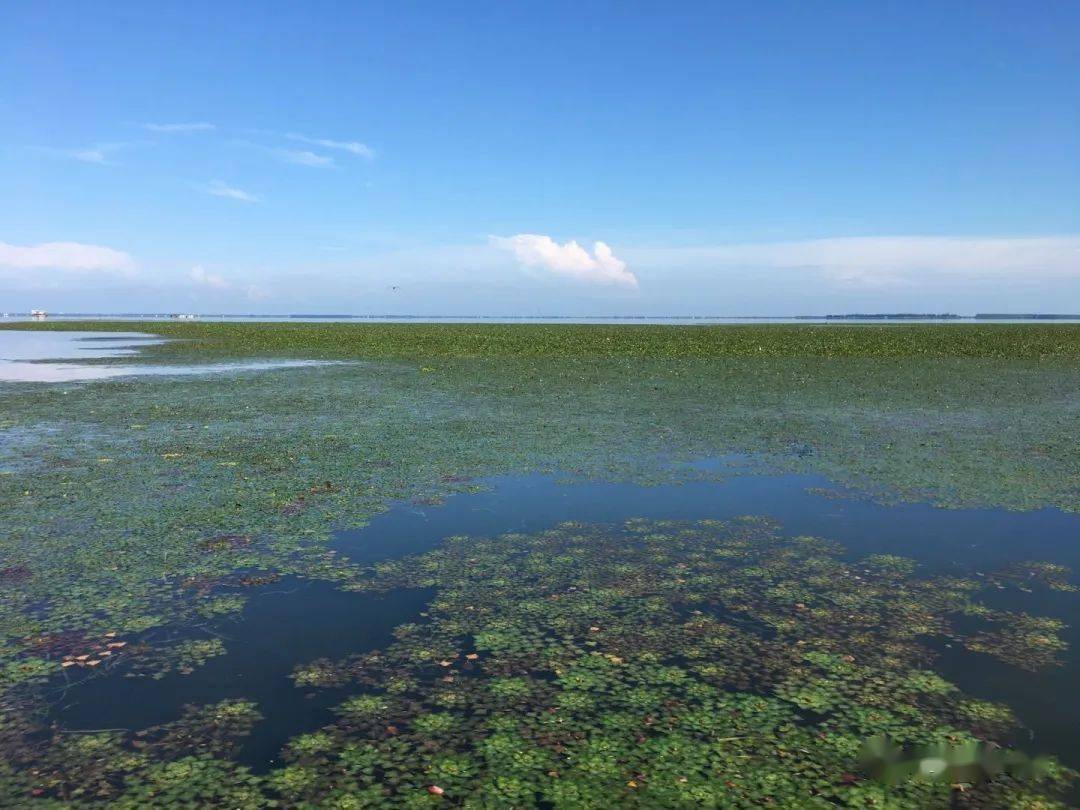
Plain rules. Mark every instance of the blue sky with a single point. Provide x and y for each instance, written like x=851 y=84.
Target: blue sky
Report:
x=525 y=158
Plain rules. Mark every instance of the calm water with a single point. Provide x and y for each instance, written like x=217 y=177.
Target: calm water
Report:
x=294 y=622
x=30 y=356
x=287 y=623
x=31 y=346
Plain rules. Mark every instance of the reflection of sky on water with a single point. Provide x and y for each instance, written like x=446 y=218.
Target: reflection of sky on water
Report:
x=292 y=622
x=16 y=345
x=22 y=356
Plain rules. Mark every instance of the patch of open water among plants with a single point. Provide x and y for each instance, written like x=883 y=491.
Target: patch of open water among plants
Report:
x=288 y=622
x=644 y=644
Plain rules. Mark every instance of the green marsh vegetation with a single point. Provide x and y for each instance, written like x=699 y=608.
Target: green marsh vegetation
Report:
x=139 y=504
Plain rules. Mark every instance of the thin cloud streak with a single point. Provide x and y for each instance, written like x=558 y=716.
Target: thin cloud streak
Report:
x=87 y=155
x=304 y=157
x=220 y=189
x=97 y=154
x=352 y=147
x=194 y=126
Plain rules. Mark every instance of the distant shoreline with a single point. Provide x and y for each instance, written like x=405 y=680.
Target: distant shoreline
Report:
x=431 y=318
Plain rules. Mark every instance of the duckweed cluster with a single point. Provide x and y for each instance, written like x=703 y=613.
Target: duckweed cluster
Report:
x=655 y=664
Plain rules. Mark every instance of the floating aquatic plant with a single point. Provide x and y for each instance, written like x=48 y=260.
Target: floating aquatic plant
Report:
x=182 y=657
x=135 y=505
x=603 y=678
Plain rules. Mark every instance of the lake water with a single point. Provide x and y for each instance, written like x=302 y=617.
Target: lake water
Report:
x=292 y=622
x=154 y=514
x=33 y=356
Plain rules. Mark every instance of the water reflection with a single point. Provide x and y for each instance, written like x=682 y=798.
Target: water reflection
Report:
x=27 y=357
x=292 y=626
x=287 y=623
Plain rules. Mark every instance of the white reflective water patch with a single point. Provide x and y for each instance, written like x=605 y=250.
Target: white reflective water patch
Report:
x=24 y=356
x=41 y=345
x=62 y=372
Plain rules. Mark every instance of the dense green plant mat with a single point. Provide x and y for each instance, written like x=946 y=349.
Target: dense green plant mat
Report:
x=654 y=664
x=662 y=664
x=419 y=340
x=139 y=504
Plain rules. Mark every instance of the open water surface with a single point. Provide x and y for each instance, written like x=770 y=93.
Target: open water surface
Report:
x=293 y=622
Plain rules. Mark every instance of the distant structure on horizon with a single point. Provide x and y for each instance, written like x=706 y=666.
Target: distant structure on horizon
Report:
x=37 y=314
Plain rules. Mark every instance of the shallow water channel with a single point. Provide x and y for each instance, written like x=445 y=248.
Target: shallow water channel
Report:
x=292 y=622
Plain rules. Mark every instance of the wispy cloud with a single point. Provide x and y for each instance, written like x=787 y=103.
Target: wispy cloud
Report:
x=303 y=157
x=97 y=153
x=880 y=261
x=193 y=126
x=220 y=189
x=199 y=275
x=87 y=155
x=69 y=256
x=352 y=147
x=568 y=259
x=256 y=293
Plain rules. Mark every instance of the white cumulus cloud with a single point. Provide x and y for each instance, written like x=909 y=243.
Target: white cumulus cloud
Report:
x=220 y=189
x=68 y=256
x=568 y=259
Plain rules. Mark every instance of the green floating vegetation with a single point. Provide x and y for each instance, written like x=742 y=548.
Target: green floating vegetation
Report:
x=494 y=340
x=127 y=502
x=136 y=504
x=654 y=664
x=666 y=664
